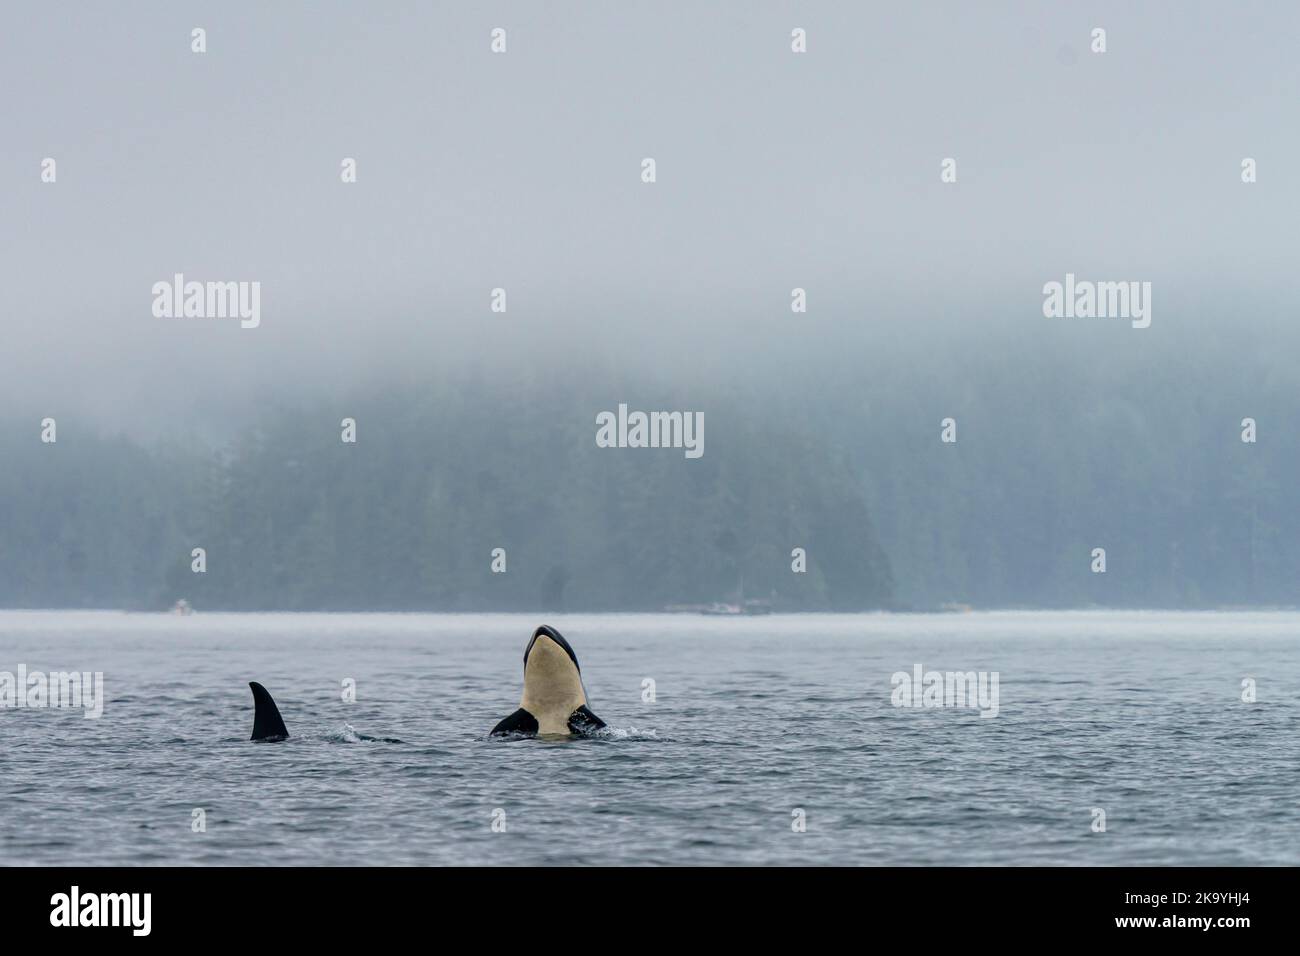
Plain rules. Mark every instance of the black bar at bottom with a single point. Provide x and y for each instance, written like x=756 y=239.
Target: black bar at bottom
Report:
x=946 y=905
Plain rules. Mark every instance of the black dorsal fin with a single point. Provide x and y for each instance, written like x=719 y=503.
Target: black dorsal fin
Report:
x=267 y=722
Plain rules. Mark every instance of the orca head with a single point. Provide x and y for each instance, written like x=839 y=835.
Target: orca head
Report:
x=550 y=638
x=552 y=681
x=554 y=702
x=268 y=725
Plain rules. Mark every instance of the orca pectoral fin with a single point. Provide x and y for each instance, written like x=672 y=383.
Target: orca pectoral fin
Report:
x=521 y=724
x=583 y=721
x=267 y=722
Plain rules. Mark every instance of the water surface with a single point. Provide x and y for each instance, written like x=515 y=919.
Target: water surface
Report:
x=1139 y=714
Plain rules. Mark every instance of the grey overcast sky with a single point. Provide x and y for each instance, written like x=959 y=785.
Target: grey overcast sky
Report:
x=522 y=170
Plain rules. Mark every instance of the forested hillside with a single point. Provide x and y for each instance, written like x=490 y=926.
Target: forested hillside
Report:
x=407 y=518
x=1054 y=457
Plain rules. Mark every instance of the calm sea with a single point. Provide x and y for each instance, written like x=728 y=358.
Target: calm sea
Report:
x=1137 y=715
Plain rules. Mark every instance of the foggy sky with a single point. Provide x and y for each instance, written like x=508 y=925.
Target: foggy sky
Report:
x=521 y=170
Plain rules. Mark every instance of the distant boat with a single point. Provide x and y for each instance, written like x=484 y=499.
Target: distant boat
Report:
x=720 y=608
x=723 y=608
x=182 y=607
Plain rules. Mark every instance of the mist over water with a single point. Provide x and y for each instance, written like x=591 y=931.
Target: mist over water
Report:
x=776 y=171
x=818 y=172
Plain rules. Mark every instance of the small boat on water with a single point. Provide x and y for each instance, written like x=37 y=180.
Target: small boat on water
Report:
x=723 y=608
x=182 y=607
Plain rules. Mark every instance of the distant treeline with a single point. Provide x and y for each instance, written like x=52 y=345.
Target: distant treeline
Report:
x=1051 y=461
x=407 y=518
x=1136 y=448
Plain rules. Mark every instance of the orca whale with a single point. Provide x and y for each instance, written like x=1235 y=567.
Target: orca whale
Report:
x=268 y=725
x=553 y=702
